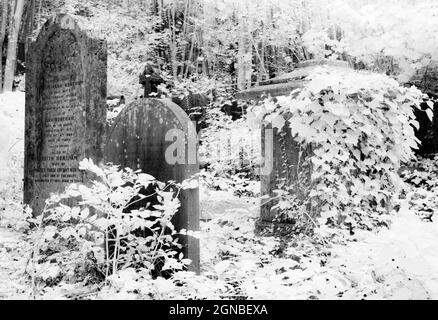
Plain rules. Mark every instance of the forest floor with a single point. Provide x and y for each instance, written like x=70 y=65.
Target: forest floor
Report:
x=399 y=262
x=12 y=262
x=396 y=263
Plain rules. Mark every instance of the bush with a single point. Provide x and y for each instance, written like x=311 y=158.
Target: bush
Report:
x=90 y=233
x=360 y=127
x=421 y=179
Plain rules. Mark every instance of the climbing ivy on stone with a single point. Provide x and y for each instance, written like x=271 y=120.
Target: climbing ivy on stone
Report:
x=361 y=128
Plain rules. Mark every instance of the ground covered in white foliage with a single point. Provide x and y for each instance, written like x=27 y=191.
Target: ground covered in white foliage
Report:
x=399 y=262
x=396 y=263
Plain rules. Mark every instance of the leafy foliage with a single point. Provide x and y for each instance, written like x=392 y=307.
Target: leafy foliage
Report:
x=11 y=164
x=360 y=127
x=229 y=152
x=396 y=37
x=421 y=180
x=87 y=234
x=195 y=41
x=357 y=126
x=229 y=147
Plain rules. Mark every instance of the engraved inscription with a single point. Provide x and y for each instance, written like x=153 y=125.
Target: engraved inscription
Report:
x=65 y=108
x=61 y=112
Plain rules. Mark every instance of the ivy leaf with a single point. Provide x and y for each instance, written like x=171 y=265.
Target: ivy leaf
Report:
x=85 y=213
x=75 y=212
x=145 y=179
x=49 y=233
x=222 y=266
x=115 y=179
x=186 y=261
x=338 y=109
x=191 y=183
x=278 y=122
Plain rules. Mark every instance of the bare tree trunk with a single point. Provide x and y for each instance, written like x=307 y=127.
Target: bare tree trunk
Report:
x=3 y=22
x=244 y=57
x=192 y=47
x=29 y=23
x=173 y=42
x=40 y=5
x=11 y=57
x=184 y=36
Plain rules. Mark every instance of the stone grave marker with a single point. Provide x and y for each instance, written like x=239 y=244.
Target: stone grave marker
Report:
x=281 y=153
x=142 y=137
x=65 y=108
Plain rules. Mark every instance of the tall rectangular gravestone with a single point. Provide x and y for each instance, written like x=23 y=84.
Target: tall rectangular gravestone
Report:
x=157 y=136
x=65 y=108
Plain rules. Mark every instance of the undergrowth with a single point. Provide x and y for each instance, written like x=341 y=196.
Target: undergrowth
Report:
x=121 y=221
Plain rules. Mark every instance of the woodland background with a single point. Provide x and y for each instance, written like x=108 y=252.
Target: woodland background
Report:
x=217 y=48
x=231 y=45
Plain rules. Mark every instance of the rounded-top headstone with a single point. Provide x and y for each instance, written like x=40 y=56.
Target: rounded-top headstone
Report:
x=157 y=136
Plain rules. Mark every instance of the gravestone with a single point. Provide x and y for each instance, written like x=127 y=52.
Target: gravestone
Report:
x=283 y=156
x=195 y=105
x=142 y=137
x=65 y=108
x=287 y=161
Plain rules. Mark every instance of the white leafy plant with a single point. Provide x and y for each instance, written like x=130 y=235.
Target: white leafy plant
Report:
x=69 y=235
x=361 y=127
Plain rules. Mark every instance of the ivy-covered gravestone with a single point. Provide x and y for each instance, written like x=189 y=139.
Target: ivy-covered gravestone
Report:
x=286 y=163
x=336 y=141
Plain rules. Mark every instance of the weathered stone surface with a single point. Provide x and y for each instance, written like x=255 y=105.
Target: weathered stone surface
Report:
x=284 y=84
x=65 y=108
x=139 y=139
x=195 y=105
x=288 y=157
x=426 y=79
x=274 y=90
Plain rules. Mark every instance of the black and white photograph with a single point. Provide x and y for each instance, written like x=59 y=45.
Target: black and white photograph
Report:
x=236 y=151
